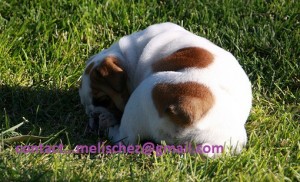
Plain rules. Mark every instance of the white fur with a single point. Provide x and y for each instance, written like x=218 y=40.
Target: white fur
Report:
x=223 y=124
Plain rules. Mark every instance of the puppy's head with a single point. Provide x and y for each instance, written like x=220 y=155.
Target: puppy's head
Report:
x=103 y=85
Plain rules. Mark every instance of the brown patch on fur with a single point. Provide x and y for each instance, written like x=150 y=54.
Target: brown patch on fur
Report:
x=183 y=103
x=89 y=68
x=184 y=58
x=108 y=74
x=109 y=79
x=113 y=74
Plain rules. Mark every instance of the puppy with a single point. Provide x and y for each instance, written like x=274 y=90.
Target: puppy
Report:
x=168 y=84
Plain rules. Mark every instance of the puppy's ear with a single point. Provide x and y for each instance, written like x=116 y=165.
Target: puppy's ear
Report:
x=113 y=74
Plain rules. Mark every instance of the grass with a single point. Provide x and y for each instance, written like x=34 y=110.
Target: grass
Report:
x=43 y=48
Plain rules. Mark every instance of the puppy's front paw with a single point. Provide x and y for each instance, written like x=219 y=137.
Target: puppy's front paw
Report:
x=101 y=120
x=106 y=120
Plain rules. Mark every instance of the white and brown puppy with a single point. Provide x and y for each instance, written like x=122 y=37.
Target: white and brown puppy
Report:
x=172 y=86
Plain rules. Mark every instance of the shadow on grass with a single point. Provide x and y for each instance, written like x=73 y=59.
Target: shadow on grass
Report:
x=47 y=110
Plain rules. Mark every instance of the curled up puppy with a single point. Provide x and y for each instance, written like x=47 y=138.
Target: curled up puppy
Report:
x=165 y=83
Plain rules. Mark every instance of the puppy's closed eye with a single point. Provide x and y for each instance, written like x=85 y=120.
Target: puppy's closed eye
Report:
x=107 y=103
x=103 y=101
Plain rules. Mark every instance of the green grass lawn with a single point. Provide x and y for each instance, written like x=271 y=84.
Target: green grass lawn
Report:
x=43 y=48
